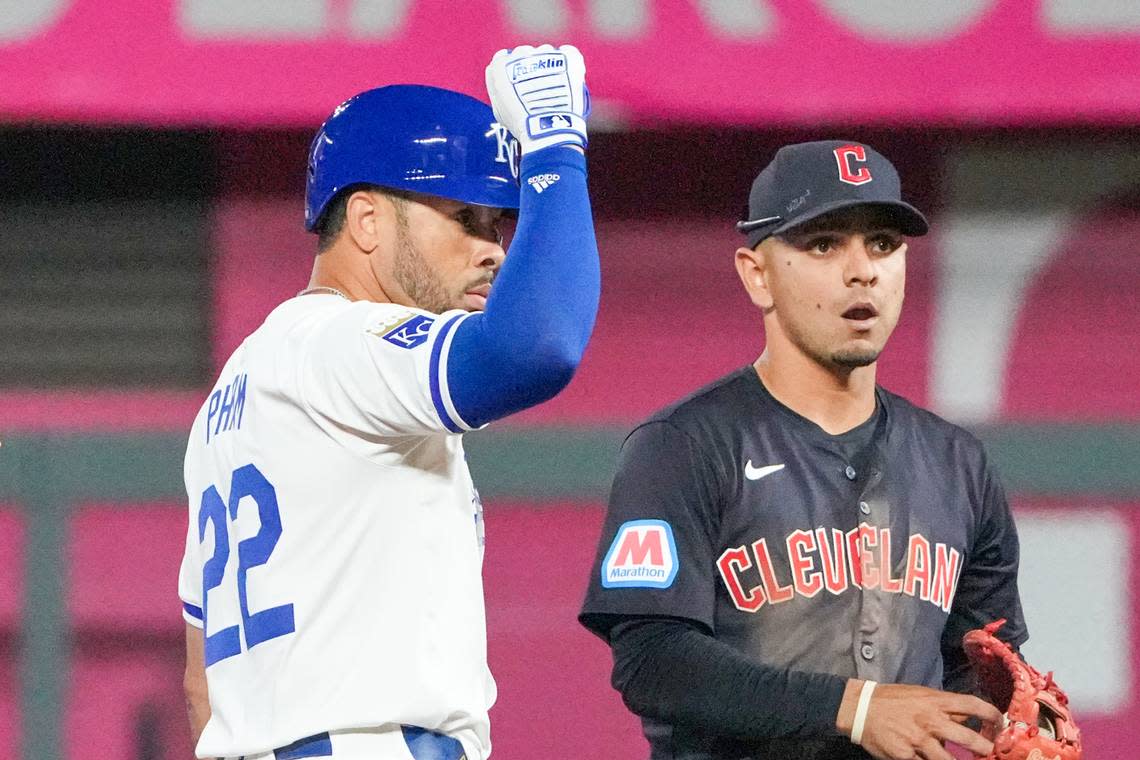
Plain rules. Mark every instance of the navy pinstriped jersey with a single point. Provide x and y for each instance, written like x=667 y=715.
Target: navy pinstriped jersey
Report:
x=805 y=550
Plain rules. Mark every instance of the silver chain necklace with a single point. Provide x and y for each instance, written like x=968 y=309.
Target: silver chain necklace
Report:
x=324 y=289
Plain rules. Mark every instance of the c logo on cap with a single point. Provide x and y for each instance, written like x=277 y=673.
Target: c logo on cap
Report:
x=844 y=155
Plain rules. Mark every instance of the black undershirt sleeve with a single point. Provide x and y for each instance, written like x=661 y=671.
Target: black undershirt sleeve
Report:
x=987 y=589
x=671 y=670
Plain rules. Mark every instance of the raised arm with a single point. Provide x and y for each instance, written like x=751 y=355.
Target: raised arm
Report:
x=526 y=346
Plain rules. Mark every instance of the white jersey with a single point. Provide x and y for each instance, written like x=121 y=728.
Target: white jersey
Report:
x=334 y=551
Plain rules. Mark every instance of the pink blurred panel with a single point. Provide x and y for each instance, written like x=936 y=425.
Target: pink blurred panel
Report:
x=1108 y=737
x=553 y=675
x=9 y=704
x=11 y=605
x=1114 y=737
x=264 y=256
x=673 y=317
x=122 y=564
x=1074 y=350
x=993 y=63
x=99 y=410
x=11 y=568
x=123 y=696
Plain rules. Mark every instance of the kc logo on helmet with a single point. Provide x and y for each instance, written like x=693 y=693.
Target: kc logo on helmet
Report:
x=642 y=555
x=507 y=150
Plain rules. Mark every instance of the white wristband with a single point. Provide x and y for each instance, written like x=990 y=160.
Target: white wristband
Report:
x=861 y=711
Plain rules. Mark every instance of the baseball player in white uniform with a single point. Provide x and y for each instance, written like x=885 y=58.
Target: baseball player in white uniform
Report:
x=331 y=583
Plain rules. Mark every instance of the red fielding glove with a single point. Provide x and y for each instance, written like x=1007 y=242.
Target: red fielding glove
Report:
x=1038 y=722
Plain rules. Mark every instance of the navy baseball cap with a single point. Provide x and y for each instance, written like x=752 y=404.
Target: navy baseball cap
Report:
x=810 y=179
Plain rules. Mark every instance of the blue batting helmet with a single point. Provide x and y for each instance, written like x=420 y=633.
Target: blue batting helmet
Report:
x=413 y=137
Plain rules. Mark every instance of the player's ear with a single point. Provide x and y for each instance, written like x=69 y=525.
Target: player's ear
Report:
x=751 y=267
x=364 y=214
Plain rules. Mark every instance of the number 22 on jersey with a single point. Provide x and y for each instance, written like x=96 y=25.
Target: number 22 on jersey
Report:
x=259 y=626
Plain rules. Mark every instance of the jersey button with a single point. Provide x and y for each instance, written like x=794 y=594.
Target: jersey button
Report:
x=864 y=507
x=868 y=651
x=849 y=472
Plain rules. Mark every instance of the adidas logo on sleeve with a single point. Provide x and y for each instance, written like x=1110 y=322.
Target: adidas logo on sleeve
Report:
x=542 y=181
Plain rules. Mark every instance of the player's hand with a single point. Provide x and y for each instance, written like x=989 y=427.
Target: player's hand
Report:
x=539 y=94
x=905 y=722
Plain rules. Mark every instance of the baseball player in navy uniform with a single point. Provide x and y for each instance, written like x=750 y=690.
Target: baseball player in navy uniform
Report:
x=792 y=554
x=331 y=582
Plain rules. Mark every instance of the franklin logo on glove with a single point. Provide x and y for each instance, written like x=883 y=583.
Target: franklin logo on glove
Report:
x=544 y=65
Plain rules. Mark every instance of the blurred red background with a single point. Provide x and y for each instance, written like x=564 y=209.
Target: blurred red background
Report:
x=151 y=202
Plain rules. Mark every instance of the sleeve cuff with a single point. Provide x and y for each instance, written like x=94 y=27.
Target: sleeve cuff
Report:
x=440 y=390
x=543 y=160
x=192 y=615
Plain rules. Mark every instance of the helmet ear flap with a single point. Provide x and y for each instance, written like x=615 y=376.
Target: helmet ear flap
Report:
x=315 y=202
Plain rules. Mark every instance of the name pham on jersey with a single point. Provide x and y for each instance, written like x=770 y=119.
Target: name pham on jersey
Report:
x=224 y=410
x=836 y=561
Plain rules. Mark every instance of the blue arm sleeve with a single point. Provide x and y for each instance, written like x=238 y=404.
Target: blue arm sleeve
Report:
x=523 y=349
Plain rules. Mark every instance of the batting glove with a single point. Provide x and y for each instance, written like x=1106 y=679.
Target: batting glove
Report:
x=539 y=94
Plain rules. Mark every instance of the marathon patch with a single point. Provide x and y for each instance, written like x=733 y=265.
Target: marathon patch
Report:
x=643 y=555
x=410 y=332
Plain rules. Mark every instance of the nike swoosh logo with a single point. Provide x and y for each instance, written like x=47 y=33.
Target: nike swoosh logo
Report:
x=755 y=473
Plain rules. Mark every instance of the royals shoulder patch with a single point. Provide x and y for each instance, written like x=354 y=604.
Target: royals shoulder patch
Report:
x=409 y=332
x=643 y=555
